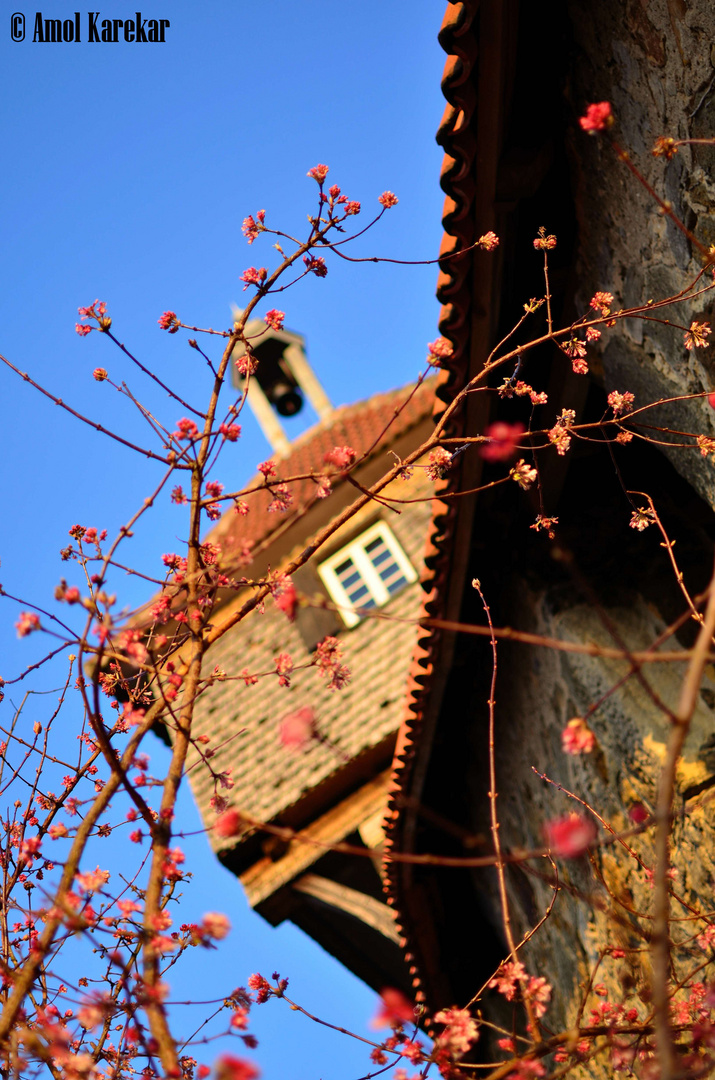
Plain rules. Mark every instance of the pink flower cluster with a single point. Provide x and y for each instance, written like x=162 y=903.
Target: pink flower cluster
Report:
x=169 y=321
x=252 y=227
x=274 y=319
x=98 y=311
x=439 y=350
x=327 y=658
x=489 y=241
x=316 y=265
x=230 y=432
x=598 y=117
x=602 y=301
x=439 y=463
x=387 y=199
x=341 y=457
x=185 y=429
x=577 y=737
x=620 y=402
x=27 y=623
x=544 y=242
x=570 y=836
x=318 y=173
x=297 y=729
x=254 y=276
x=503 y=441
x=459 y=1033
x=697 y=336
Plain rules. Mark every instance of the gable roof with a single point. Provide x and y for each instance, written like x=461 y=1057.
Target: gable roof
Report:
x=368 y=426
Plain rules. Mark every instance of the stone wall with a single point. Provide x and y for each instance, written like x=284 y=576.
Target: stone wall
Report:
x=654 y=61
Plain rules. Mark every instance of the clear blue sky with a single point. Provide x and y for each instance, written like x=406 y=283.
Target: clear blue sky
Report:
x=128 y=169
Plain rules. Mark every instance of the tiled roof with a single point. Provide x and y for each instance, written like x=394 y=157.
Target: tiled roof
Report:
x=269 y=780
x=367 y=426
x=243 y=721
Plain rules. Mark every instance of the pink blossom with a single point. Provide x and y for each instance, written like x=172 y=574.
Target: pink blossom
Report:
x=27 y=623
x=178 y=496
x=318 y=173
x=128 y=907
x=30 y=849
x=254 y=276
x=274 y=318
x=592 y=334
x=316 y=265
x=489 y=241
x=697 y=336
x=602 y=301
x=439 y=350
x=576 y=351
x=438 y=463
x=261 y=987
x=92 y=880
x=577 y=737
x=251 y=228
x=706 y=940
x=169 y=321
x=185 y=429
x=247 y=364
x=282 y=498
x=544 y=242
x=523 y=474
x=620 y=402
x=387 y=199
x=503 y=441
x=507 y=978
x=286 y=599
x=297 y=729
x=99 y=373
x=394 y=1009
x=460 y=1032
x=90 y=1014
x=229 y=1067
x=642 y=518
x=340 y=456
x=570 y=836
x=598 y=117
x=560 y=438
x=83 y=330
x=229 y=824
x=230 y=432
x=216 y=925
x=538 y=991
x=284 y=667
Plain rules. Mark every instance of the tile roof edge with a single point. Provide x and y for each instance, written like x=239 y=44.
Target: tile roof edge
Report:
x=453 y=290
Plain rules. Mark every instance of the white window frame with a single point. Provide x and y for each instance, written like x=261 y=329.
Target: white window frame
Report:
x=370 y=577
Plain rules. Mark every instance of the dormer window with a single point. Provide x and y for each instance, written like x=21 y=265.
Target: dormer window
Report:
x=366 y=573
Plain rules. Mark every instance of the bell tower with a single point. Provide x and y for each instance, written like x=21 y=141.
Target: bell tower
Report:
x=282 y=382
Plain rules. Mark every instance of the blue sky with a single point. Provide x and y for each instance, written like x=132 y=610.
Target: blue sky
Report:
x=128 y=171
